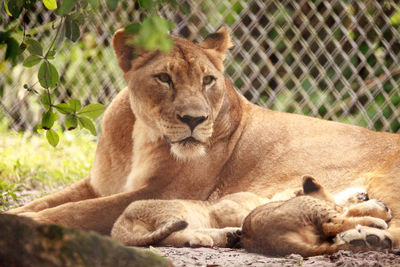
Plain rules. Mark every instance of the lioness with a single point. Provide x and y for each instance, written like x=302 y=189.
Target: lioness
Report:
x=180 y=130
x=305 y=224
x=205 y=223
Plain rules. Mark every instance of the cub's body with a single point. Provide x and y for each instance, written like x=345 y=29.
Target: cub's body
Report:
x=185 y=222
x=308 y=224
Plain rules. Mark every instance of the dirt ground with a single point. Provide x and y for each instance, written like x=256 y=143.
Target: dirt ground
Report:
x=211 y=257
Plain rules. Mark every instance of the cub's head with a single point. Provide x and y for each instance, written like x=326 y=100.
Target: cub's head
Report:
x=312 y=188
x=177 y=95
x=345 y=198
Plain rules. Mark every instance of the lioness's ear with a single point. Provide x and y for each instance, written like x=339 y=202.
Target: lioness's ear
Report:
x=123 y=51
x=310 y=185
x=219 y=41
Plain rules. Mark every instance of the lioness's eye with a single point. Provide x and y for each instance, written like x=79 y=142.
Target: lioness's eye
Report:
x=163 y=77
x=208 y=79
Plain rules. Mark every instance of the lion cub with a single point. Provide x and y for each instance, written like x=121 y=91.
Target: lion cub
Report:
x=185 y=222
x=307 y=224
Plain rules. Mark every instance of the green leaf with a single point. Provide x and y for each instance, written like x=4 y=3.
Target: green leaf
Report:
x=395 y=19
x=50 y=4
x=47 y=100
x=48 y=75
x=78 y=17
x=12 y=50
x=6 y=8
x=148 y=4
x=112 y=4
x=64 y=108
x=14 y=7
x=48 y=119
x=34 y=47
x=51 y=53
x=65 y=7
x=32 y=60
x=52 y=137
x=72 y=31
x=94 y=3
x=71 y=122
x=75 y=104
x=92 y=110
x=133 y=28
x=154 y=34
x=88 y=124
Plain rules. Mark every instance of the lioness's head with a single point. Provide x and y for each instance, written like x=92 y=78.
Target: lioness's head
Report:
x=179 y=94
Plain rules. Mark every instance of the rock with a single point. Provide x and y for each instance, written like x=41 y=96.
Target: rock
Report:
x=24 y=242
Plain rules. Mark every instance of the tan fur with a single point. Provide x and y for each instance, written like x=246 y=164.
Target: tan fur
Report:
x=247 y=148
x=304 y=224
x=205 y=223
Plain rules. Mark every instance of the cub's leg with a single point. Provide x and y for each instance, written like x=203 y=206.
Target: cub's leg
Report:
x=188 y=238
x=78 y=191
x=340 y=224
x=227 y=237
x=373 y=208
x=204 y=237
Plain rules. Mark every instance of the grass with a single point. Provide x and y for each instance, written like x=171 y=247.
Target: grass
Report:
x=29 y=163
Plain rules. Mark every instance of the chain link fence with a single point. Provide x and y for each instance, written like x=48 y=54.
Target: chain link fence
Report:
x=333 y=59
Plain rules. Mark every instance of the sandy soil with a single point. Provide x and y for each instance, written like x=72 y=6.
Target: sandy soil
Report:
x=237 y=257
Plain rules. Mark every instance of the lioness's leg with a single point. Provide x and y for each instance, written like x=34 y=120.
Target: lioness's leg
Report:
x=78 y=191
x=98 y=214
x=365 y=238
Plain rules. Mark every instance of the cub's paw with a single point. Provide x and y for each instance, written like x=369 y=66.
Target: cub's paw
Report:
x=364 y=238
x=375 y=223
x=382 y=210
x=373 y=208
x=199 y=240
x=233 y=239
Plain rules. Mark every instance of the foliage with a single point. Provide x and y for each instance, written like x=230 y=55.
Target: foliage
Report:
x=7 y=194
x=151 y=34
x=36 y=167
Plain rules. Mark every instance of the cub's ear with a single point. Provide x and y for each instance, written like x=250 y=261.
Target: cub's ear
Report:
x=123 y=51
x=219 y=41
x=310 y=185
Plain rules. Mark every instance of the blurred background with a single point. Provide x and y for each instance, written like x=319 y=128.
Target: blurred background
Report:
x=337 y=60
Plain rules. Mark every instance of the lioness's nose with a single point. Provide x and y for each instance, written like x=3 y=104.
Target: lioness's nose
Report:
x=192 y=122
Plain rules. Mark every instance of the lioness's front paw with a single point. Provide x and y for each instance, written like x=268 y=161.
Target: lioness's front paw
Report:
x=365 y=238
